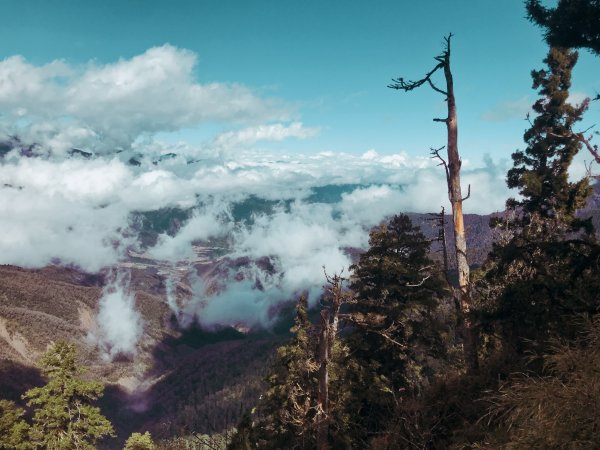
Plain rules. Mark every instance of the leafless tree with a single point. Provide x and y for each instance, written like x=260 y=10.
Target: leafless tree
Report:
x=452 y=168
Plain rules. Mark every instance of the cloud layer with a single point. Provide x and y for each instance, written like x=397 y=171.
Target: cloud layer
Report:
x=79 y=211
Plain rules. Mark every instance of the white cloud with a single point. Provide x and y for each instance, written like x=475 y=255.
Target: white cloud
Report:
x=103 y=107
x=301 y=241
x=78 y=210
x=271 y=132
x=207 y=222
x=119 y=324
x=37 y=230
x=577 y=97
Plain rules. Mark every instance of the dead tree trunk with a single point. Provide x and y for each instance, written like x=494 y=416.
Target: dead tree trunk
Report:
x=452 y=166
x=330 y=317
x=460 y=241
x=323 y=394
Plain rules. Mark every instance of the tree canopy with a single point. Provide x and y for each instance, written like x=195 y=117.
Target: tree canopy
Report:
x=572 y=23
x=64 y=417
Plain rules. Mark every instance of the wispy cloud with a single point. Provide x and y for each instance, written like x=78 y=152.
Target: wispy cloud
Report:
x=270 y=132
x=509 y=110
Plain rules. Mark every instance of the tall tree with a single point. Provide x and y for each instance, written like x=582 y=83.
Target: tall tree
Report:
x=64 y=417
x=397 y=339
x=545 y=273
x=541 y=171
x=334 y=367
x=572 y=23
x=396 y=289
x=286 y=412
x=452 y=167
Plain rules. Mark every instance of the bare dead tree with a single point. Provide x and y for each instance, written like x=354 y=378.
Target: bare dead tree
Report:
x=330 y=319
x=323 y=393
x=439 y=220
x=452 y=166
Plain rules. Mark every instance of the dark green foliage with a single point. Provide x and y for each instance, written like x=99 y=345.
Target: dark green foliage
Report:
x=244 y=438
x=64 y=417
x=540 y=172
x=286 y=412
x=539 y=285
x=13 y=429
x=545 y=273
x=572 y=23
x=287 y=415
x=397 y=289
x=398 y=340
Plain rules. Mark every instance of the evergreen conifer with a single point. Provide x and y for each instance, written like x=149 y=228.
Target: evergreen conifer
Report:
x=64 y=417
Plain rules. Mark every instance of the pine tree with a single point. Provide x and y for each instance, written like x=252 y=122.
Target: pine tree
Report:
x=286 y=412
x=572 y=23
x=397 y=288
x=541 y=171
x=138 y=441
x=64 y=417
x=545 y=274
x=13 y=429
x=398 y=338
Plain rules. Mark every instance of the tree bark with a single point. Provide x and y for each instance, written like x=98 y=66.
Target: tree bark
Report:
x=460 y=242
x=323 y=394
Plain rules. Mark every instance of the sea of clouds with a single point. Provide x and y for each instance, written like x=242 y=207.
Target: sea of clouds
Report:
x=60 y=206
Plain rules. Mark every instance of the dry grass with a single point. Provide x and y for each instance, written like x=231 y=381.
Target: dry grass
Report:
x=560 y=410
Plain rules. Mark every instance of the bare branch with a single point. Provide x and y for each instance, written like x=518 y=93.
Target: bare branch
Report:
x=468 y=193
x=588 y=169
x=593 y=149
x=588 y=129
x=441 y=120
x=528 y=119
x=435 y=153
x=420 y=283
x=402 y=85
x=393 y=341
x=435 y=88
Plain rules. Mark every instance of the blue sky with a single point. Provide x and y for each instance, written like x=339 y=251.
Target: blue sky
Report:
x=329 y=62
